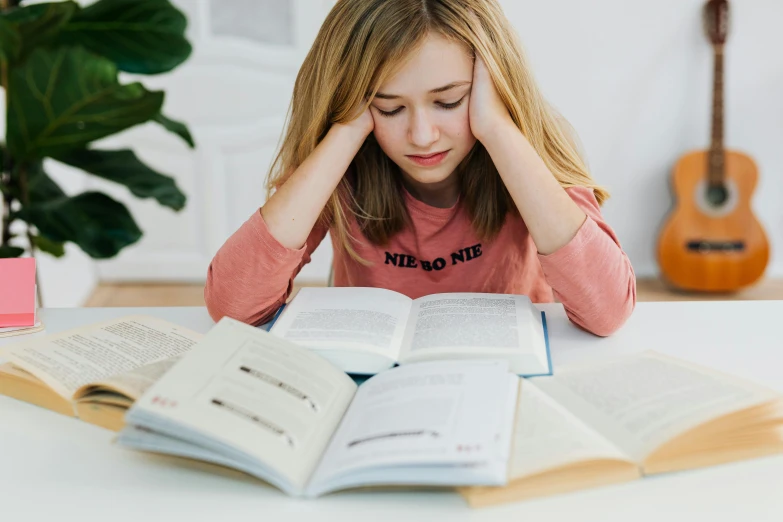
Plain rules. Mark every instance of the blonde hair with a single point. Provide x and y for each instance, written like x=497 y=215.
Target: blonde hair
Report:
x=361 y=44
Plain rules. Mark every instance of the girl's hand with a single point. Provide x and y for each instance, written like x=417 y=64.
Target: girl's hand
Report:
x=486 y=110
x=363 y=124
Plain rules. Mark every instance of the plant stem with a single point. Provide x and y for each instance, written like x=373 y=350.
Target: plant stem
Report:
x=5 y=205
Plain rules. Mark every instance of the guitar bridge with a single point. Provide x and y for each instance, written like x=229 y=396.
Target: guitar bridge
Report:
x=715 y=246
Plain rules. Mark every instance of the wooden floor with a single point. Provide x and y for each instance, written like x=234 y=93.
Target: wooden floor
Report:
x=193 y=295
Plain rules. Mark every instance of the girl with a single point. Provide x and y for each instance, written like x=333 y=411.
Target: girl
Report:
x=419 y=139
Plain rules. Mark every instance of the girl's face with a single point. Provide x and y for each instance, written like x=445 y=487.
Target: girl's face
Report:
x=421 y=113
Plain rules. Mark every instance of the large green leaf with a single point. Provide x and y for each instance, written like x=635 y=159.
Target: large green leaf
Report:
x=10 y=251
x=123 y=167
x=100 y=225
x=64 y=98
x=145 y=37
x=9 y=41
x=178 y=128
x=40 y=187
x=44 y=244
x=40 y=23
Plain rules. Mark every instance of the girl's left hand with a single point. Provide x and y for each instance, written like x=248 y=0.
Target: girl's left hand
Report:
x=486 y=110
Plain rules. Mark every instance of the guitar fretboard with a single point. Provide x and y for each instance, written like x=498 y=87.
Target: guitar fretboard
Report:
x=716 y=163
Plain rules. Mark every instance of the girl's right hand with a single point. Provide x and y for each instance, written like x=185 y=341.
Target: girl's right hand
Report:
x=363 y=124
x=292 y=211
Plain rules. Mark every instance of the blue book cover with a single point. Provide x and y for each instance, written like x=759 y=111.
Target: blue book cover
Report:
x=548 y=352
x=268 y=326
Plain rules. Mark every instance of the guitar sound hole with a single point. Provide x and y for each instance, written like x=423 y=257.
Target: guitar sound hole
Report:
x=717 y=195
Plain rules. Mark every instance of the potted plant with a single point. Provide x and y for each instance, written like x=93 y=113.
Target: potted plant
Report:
x=59 y=67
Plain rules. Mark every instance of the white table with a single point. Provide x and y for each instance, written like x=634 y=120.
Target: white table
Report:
x=57 y=468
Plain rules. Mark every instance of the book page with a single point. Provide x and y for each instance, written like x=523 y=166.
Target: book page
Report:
x=440 y=412
x=369 y=319
x=504 y=325
x=69 y=360
x=641 y=401
x=252 y=397
x=10 y=369
x=547 y=436
x=132 y=384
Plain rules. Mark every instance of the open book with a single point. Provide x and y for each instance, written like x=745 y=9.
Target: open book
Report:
x=94 y=372
x=367 y=330
x=637 y=415
x=246 y=399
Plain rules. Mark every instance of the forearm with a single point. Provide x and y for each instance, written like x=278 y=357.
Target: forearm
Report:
x=591 y=276
x=251 y=275
x=550 y=215
x=292 y=211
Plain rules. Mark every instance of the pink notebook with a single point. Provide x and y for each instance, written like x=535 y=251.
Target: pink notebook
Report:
x=17 y=292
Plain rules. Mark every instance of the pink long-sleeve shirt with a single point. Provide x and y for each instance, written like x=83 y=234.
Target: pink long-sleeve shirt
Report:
x=252 y=274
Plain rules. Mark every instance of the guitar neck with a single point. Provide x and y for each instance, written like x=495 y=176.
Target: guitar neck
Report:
x=716 y=171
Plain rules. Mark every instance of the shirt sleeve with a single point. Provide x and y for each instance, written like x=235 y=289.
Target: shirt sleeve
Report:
x=252 y=274
x=591 y=275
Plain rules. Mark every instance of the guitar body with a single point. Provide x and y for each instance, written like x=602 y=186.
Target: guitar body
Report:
x=713 y=247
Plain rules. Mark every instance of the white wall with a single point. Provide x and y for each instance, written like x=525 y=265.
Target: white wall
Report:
x=633 y=78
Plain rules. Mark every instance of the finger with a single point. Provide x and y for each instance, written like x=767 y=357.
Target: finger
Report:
x=478 y=63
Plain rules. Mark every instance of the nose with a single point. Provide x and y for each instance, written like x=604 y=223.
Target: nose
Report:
x=422 y=132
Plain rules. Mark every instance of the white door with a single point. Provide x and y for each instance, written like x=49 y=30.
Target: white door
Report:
x=233 y=92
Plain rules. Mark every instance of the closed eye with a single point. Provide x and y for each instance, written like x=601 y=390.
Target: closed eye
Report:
x=447 y=106
x=453 y=105
x=389 y=114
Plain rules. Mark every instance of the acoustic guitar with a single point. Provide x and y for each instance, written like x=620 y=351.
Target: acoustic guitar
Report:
x=712 y=241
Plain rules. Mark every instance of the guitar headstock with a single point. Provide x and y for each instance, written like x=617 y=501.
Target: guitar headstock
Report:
x=716 y=20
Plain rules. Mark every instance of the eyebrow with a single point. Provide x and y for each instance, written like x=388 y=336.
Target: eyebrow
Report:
x=433 y=91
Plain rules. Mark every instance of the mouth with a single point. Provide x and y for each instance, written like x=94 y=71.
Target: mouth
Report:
x=428 y=159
